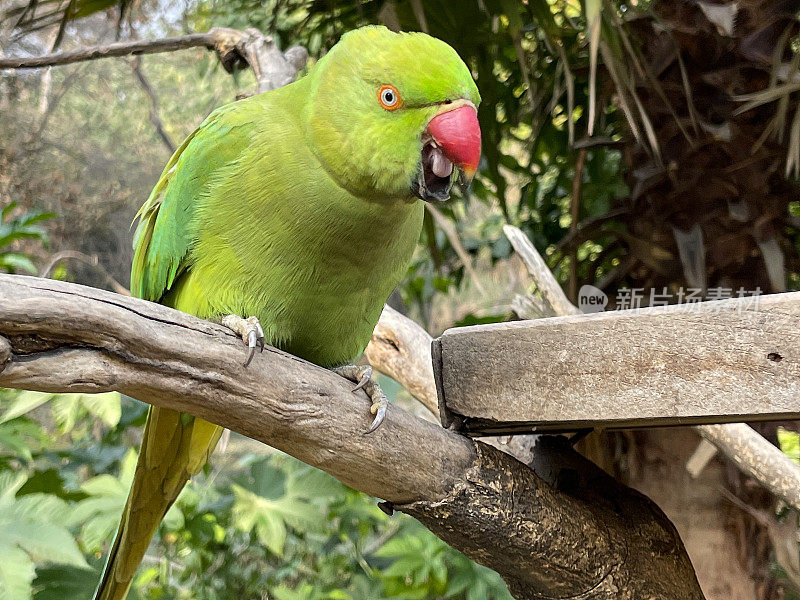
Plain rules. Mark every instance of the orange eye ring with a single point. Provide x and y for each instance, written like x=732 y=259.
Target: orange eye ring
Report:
x=389 y=97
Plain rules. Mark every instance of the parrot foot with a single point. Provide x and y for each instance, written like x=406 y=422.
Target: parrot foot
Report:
x=249 y=330
x=362 y=375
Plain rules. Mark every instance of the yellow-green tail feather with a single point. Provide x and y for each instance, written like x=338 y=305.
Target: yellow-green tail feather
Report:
x=174 y=448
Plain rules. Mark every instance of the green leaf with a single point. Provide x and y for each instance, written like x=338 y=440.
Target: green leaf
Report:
x=16 y=573
x=99 y=514
x=24 y=403
x=107 y=406
x=46 y=508
x=10 y=482
x=174 y=519
x=35 y=217
x=303 y=592
x=44 y=542
x=128 y=468
x=271 y=532
x=593 y=26
x=13 y=262
x=86 y=509
x=48 y=482
x=101 y=527
x=21 y=436
x=65 y=410
x=104 y=485
x=31 y=530
x=60 y=582
x=789 y=442
x=299 y=514
x=7 y=209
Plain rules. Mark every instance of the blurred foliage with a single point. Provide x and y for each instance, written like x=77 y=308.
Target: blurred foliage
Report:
x=31 y=531
x=86 y=151
x=789 y=442
x=18 y=225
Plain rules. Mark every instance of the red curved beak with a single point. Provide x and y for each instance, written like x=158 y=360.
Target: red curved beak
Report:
x=458 y=134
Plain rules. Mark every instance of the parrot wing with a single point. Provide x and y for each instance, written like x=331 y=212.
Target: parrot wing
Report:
x=167 y=220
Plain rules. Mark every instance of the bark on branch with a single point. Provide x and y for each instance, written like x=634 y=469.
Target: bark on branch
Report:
x=401 y=349
x=567 y=531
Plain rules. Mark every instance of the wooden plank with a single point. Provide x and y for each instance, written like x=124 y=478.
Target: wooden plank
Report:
x=724 y=361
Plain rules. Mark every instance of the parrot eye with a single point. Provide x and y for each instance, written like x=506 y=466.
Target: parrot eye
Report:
x=389 y=98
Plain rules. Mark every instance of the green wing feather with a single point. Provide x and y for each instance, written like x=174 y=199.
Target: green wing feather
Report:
x=167 y=227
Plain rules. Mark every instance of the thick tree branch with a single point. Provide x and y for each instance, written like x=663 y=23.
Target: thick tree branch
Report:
x=573 y=532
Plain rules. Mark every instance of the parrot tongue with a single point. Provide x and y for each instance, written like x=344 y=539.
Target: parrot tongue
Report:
x=434 y=181
x=440 y=165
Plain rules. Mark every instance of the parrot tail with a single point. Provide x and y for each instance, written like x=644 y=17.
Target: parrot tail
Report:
x=174 y=448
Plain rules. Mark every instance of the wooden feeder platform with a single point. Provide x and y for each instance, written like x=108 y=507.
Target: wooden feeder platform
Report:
x=716 y=362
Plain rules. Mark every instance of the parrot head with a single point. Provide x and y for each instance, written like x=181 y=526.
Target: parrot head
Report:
x=394 y=115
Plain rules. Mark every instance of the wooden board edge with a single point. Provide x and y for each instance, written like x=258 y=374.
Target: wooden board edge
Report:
x=474 y=427
x=447 y=419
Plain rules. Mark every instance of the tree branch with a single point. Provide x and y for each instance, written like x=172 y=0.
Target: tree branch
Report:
x=154 y=115
x=756 y=457
x=91 y=260
x=401 y=349
x=542 y=276
x=572 y=532
x=235 y=49
x=212 y=40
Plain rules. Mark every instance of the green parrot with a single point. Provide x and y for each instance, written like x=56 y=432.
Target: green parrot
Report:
x=290 y=216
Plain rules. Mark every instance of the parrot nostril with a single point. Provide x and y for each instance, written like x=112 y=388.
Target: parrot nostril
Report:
x=448 y=101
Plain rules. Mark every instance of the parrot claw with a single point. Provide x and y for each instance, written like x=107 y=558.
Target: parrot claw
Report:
x=362 y=375
x=250 y=331
x=378 y=409
x=365 y=378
